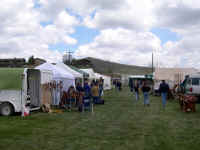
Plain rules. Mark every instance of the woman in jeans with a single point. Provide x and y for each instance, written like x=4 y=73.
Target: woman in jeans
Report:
x=145 y=90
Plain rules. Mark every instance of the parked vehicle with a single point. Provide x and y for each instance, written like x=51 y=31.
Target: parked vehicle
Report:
x=20 y=87
x=191 y=84
x=140 y=79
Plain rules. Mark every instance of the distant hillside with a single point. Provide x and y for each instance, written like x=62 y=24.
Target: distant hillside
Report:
x=107 y=67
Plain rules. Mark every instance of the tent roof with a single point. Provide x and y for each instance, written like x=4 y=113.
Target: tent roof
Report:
x=137 y=76
x=68 y=69
x=11 y=78
x=85 y=74
x=90 y=72
x=57 y=71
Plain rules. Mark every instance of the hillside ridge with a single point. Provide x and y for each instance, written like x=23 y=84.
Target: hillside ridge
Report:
x=107 y=67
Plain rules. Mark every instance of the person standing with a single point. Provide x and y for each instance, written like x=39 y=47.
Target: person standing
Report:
x=136 y=89
x=119 y=83
x=92 y=83
x=101 y=83
x=95 y=93
x=115 y=83
x=145 y=90
x=131 y=84
x=87 y=90
x=164 y=89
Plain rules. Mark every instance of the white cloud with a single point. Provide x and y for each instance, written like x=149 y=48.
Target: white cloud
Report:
x=183 y=53
x=135 y=15
x=175 y=15
x=124 y=27
x=23 y=36
x=121 y=45
x=64 y=20
x=181 y=17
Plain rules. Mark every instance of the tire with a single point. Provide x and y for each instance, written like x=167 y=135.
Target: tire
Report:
x=6 y=109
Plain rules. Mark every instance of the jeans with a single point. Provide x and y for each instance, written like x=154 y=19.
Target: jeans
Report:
x=146 y=98
x=95 y=99
x=136 y=96
x=100 y=91
x=164 y=98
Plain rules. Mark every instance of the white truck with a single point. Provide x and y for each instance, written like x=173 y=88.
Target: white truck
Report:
x=191 y=84
x=20 y=86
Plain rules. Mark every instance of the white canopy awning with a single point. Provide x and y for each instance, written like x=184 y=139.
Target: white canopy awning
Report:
x=57 y=72
x=68 y=69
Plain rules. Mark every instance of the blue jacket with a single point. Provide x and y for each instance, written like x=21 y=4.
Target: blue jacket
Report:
x=87 y=90
x=164 y=88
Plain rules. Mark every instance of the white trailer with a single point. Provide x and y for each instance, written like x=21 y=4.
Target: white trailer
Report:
x=19 y=87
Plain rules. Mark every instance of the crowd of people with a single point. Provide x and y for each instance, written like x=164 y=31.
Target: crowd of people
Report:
x=83 y=96
x=89 y=93
x=138 y=86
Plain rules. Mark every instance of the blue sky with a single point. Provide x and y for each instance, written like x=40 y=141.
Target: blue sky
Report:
x=165 y=35
x=82 y=34
x=122 y=27
x=85 y=35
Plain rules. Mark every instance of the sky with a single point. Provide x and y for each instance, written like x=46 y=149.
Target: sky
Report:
x=123 y=31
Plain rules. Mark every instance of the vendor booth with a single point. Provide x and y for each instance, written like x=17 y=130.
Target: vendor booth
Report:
x=59 y=74
x=68 y=69
x=62 y=80
x=106 y=79
x=78 y=76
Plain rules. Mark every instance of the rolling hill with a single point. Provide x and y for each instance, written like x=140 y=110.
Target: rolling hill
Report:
x=106 y=67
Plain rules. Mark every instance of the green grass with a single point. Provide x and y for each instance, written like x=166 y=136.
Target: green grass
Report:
x=10 y=78
x=120 y=124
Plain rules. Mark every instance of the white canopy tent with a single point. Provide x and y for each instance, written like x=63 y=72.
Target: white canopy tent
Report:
x=91 y=73
x=68 y=69
x=59 y=74
x=107 y=81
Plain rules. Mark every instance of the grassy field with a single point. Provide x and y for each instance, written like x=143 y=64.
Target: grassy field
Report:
x=11 y=78
x=120 y=124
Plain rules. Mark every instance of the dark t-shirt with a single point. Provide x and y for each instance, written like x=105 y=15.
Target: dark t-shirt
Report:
x=79 y=89
x=146 y=89
x=164 y=88
x=136 y=88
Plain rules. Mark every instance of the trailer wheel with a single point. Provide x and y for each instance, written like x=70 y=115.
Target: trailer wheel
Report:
x=6 y=109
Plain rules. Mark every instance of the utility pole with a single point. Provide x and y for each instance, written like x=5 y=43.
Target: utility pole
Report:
x=69 y=56
x=152 y=63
